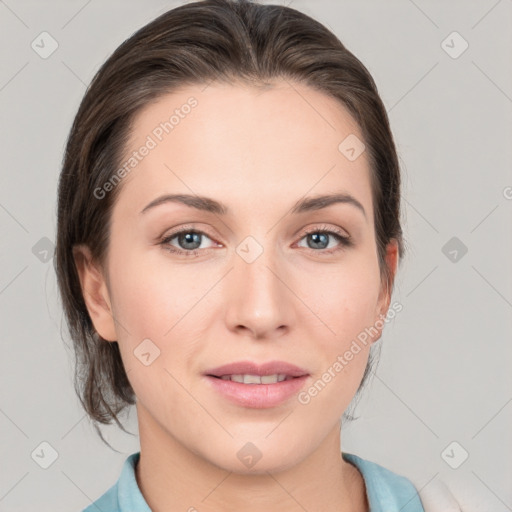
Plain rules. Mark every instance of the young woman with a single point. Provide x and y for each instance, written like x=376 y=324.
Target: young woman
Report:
x=228 y=238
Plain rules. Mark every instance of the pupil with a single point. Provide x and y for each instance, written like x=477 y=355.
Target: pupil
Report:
x=316 y=237
x=189 y=239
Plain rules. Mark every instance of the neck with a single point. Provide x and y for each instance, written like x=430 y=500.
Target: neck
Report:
x=171 y=477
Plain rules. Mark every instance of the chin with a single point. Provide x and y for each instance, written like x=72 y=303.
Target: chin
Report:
x=257 y=457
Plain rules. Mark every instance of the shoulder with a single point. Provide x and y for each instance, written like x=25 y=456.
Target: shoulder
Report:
x=107 y=502
x=385 y=489
x=124 y=495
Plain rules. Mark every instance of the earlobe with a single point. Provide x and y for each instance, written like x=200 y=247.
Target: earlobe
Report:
x=95 y=293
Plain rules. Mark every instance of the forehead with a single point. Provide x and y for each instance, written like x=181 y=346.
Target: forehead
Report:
x=251 y=144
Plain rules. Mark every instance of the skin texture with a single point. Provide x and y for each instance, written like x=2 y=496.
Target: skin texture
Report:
x=258 y=151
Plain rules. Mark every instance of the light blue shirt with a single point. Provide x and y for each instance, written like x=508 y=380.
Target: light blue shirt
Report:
x=386 y=491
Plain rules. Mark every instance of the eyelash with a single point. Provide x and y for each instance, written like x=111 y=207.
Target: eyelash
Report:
x=345 y=241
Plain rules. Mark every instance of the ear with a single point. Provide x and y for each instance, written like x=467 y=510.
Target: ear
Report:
x=95 y=293
x=386 y=287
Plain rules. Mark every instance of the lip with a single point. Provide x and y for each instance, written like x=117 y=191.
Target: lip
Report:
x=257 y=396
x=249 y=367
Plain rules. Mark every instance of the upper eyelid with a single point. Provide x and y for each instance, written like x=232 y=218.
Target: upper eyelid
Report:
x=327 y=228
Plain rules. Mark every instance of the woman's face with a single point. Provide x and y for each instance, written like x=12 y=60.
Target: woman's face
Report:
x=247 y=283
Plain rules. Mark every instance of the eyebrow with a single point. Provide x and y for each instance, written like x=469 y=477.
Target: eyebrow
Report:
x=211 y=205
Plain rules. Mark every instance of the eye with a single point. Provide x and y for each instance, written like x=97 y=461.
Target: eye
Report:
x=189 y=242
x=319 y=239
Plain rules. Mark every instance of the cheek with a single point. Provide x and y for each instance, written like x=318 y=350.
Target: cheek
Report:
x=154 y=300
x=345 y=297
x=151 y=295
x=345 y=300
x=149 y=309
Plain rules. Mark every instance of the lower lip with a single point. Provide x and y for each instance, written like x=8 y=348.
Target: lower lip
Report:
x=258 y=396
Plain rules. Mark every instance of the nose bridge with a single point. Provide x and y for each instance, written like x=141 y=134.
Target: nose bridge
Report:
x=259 y=300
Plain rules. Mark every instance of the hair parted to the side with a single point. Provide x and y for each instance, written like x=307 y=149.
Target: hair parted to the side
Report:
x=196 y=43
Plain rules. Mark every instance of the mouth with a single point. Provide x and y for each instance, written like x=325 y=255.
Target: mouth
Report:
x=249 y=372
x=255 y=379
x=250 y=385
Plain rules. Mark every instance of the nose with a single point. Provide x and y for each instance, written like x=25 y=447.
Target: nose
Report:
x=260 y=302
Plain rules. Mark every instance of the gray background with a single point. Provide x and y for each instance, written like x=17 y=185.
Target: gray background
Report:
x=444 y=374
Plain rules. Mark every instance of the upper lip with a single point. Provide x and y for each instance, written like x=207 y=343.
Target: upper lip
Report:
x=250 y=368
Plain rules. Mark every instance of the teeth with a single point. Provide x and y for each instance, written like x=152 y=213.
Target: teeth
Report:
x=256 y=379
x=270 y=379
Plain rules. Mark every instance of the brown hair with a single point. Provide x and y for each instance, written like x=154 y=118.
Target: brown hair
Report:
x=196 y=43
